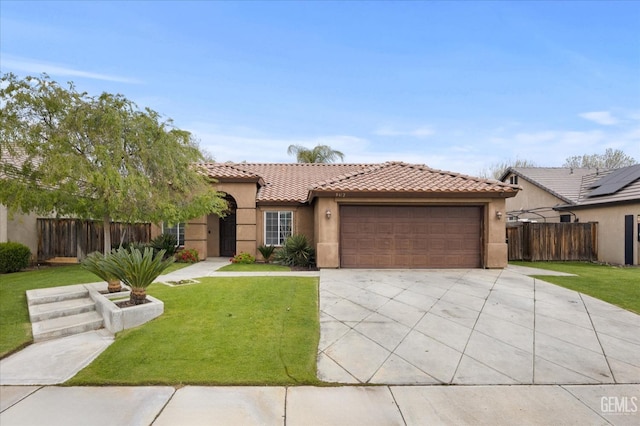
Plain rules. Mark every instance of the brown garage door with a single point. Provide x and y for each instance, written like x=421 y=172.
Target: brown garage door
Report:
x=410 y=237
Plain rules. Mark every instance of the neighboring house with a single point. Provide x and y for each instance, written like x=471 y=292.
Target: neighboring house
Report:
x=19 y=228
x=390 y=215
x=609 y=197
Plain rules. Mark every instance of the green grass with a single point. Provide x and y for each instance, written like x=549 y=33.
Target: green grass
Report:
x=254 y=267
x=617 y=285
x=223 y=331
x=15 y=328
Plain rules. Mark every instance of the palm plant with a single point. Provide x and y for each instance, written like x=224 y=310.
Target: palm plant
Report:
x=137 y=269
x=319 y=154
x=96 y=264
x=266 y=252
x=296 y=251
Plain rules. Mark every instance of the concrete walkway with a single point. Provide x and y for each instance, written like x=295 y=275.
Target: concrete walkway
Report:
x=466 y=327
x=469 y=327
x=293 y=406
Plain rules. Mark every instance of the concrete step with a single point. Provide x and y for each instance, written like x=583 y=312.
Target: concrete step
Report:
x=56 y=294
x=64 y=308
x=66 y=326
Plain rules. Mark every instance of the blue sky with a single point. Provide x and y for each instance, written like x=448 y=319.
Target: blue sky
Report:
x=456 y=86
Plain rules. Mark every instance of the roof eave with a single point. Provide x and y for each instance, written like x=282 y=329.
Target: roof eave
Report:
x=409 y=194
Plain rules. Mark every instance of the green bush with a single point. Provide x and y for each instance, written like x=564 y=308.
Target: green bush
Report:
x=266 y=252
x=134 y=244
x=243 y=257
x=137 y=269
x=296 y=251
x=166 y=242
x=13 y=257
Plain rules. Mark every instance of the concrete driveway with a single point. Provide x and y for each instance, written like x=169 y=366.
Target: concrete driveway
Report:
x=469 y=327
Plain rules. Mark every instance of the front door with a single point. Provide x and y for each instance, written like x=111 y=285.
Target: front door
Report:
x=228 y=235
x=628 y=239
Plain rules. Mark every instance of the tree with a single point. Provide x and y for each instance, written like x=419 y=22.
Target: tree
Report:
x=96 y=157
x=611 y=159
x=319 y=154
x=496 y=170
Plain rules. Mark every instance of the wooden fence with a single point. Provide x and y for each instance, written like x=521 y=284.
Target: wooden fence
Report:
x=76 y=238
x=553 y=241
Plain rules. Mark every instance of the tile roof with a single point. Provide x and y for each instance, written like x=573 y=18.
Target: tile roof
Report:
x=298 y=182
x=563 y=182
x=627 y=193
x=575 y=186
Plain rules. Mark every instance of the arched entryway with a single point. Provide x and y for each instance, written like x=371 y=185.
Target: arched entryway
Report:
x=227 y=228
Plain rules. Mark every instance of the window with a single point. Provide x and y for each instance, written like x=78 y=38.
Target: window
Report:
x=513 y=180
x=278 y=226
x=175 y=230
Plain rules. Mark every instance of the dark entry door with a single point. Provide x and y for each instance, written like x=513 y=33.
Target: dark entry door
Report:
x=228 y=235
x=628 y=239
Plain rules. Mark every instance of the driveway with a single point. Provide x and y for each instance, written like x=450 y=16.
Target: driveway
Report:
x=469 y=327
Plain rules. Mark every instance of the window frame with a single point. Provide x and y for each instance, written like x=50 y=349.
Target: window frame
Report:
x=179 y=230
x=280 y=232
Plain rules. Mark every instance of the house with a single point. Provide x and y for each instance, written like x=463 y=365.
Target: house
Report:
x=609 y=197
x=19 y=228
x=389 y=215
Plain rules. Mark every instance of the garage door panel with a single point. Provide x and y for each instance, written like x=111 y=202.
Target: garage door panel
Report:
x=410 y=236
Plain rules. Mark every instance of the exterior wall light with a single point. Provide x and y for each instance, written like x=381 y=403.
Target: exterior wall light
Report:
x=499 y=214
x=328 y=214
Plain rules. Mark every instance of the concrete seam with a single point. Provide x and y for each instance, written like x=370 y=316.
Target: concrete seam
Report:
x=397 y=405
x=286 y=395
x=583 y=403
x=412 y=328
x=464 y=350
x=164 y=406
x=23 y=398
x=606 y=358
x=533 y=358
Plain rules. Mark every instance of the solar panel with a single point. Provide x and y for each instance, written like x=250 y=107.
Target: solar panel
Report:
x=615 y=181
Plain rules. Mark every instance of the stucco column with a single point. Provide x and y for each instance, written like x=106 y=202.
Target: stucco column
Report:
x=497 y=252
x=195 y=236
x=327 y=233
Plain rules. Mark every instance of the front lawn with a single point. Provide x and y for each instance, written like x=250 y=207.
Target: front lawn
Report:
x=617 y=285
x=254 y=267
x=223 y=331
x=15 y=327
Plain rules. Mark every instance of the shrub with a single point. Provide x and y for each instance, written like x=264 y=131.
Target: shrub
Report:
x=96 y=264
x=166 y=242
x=266 y=252
x=13 y=257
x=137 y=269
x=134 y=244
x=243 y=258
x=187 y=256
x=296 y=251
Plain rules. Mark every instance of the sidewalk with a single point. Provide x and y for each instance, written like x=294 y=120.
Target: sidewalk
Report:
x=293 y=406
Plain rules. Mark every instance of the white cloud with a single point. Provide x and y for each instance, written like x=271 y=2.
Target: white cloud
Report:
x=37 y=67
x=601 y=117
x=250 y=146
x=420 y=132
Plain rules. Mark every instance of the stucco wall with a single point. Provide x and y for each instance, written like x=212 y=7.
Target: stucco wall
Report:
x=611 y=230
x=19 y=228
x=199 y=230
x=531 y=197
x=302 y=221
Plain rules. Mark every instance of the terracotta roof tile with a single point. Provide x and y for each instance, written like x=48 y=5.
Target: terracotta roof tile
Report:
x=292 y=182
x=402 y=177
